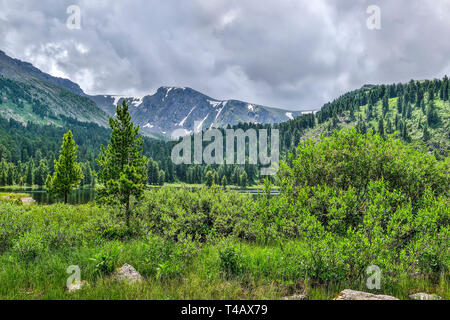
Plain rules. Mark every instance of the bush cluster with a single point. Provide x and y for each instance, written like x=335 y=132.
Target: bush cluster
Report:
x=347 y=201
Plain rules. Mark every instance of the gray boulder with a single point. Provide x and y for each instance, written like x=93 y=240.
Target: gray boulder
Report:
x=424 y=296
x=296 y=297
x=358 y=295
x=76 y=286
x=127 y=273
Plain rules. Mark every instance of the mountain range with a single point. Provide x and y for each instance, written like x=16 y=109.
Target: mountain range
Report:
x=30 y=95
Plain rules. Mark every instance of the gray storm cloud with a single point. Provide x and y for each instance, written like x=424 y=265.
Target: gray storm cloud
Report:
x=287 y=53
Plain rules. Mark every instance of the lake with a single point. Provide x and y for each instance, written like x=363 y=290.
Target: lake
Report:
x=80 y=196
x=83 y=196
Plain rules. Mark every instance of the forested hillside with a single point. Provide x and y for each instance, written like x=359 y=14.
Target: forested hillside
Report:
x=44 y=103
x=417 y=112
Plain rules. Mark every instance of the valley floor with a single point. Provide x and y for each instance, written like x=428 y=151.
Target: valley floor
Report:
x=354 y=211
x=39 y=243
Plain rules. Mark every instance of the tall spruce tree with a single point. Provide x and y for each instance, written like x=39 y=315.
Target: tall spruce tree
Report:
x=68 y=173
x=123 y=168
x=381 y=127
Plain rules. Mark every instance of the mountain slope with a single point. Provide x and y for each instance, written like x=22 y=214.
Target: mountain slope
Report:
x=179 y=111
x=44 y=103
x=29 y=95
x=417 y=112
x=23 y=71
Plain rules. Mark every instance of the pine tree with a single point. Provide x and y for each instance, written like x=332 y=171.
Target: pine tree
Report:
x=400 y=105
x=446 y=86
x=389 y=128
x=405 y=134
x=209 y=179
x=224 y=182
x=432 y=116
x=385 y=105
x=29 y=173
x=426 y=133
x=244 y=180
x=123 y=168
x=68 y=173
x=41 y=173
x=161 y=177
x=216 y=178
x=409 y=112
x=381 y=127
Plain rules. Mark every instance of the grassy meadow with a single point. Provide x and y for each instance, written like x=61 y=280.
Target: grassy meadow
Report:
x=347 y=202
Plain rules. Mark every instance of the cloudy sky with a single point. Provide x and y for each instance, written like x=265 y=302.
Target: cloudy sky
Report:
x=295 y=54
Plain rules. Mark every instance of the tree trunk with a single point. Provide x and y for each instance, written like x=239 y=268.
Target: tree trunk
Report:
x=65 y=198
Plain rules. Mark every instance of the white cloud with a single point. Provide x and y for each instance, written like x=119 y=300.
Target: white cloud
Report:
x=287 y=53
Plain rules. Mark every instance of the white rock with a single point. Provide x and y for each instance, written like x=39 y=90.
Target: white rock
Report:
x=296 y=297
x=424 y=296
x=76 y=286
x=127 y=273
x=358 y=295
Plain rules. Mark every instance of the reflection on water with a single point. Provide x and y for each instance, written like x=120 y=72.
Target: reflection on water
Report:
x=83 y=196
x=80 y=196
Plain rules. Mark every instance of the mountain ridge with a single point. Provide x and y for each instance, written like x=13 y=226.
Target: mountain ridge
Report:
x=16 y=69
x=174 y=111
x=170 y=112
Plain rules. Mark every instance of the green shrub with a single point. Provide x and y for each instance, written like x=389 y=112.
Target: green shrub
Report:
x=231 y=260
x=349 y=159
x=105 y=262
x=29 y=247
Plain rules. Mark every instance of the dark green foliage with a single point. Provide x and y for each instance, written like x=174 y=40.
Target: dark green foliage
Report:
x=68 y=173
x=432 y=116
x=352 y=160
x=346 y=203
x=381 y=127
x=209 y=179
x=123 y=168
x=231 y=261
x=224 y=182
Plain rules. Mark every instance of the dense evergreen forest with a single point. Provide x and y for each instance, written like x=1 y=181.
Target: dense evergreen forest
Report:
x=417 y=112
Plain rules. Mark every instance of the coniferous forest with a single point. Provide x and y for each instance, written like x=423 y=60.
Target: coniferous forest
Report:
x=416 y=113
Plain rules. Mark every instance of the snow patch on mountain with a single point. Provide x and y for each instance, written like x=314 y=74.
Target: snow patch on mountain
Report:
x=290 y=115
x=184 y=120
x=218 y=114
x=215 y=104
x=117 y=99
x=137 y=101
x=200 y=125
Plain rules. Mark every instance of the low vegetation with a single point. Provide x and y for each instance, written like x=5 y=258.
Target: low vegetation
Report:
x=347 y=202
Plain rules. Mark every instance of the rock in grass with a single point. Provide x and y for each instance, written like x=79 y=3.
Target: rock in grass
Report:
x=76 y=286
x=127 y=273
x=296 y=297
x=358 y=295
x=28 y=200
x=424 y=296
